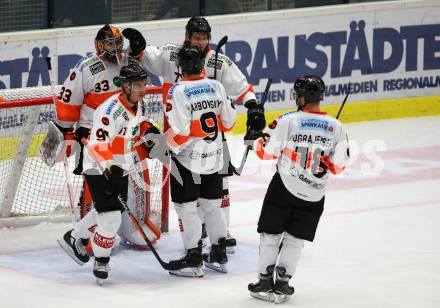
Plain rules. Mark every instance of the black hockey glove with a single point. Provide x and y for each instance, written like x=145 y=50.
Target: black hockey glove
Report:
x=136 y=39
x=253 y=135
x=156 y=145
x=114 y=176
x=255 y=115
x=81 y=132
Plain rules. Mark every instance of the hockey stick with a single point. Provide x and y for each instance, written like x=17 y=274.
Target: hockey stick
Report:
x=238 y=170
x=165 y=265
x=343 y=102
x=222 y=42
x=65 y=162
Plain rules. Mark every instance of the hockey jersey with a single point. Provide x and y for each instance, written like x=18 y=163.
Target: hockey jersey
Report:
x=163 y=62
x=114 y=135
x=198 y=111
x=308 y=145
x=89 y=84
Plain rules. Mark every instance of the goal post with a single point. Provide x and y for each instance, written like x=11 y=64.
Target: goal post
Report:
x=30 y=191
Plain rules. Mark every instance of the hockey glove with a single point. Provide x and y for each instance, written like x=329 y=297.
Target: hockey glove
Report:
x=114 y=176
x=156 y=145
x=253 y=135
x=256 y=120
x=136 y=39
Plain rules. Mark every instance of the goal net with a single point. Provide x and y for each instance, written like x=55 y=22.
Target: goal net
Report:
x=30 y=191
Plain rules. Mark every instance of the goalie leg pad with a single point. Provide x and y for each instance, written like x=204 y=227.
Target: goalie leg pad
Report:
x=105 y=233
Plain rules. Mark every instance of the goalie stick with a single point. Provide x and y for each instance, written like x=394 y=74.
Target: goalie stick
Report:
x=238 y=170
x=65 y=162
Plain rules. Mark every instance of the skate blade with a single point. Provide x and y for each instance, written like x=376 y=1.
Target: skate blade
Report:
x=221 y=268
x=69 y=251
x=100 y=282
x=191 y=272
x=280 y=298
x=230 y=250
x=265 y=296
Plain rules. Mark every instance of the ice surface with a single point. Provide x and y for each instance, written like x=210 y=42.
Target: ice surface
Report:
x=377 y=245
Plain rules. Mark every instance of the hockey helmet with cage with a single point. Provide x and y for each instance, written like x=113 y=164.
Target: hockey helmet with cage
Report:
x=191 y=60
x=131 y=72
x=198 y=25
x=310 y=87
x=109 y=43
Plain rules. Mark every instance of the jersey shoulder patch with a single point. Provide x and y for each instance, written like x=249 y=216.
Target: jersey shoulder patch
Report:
x=85 y=62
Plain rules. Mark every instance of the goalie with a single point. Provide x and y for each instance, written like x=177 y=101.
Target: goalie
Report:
x=118 y=124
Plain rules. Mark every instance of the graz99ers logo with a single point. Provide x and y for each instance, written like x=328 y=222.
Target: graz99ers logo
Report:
x=105 y=121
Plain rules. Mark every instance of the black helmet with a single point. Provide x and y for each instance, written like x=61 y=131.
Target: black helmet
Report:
x=198 y=25
x=191 y=60
x=311 y=87
x=109 y=43
x=131 y=72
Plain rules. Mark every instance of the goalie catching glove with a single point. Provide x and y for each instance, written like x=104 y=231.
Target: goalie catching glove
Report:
x=136 y=39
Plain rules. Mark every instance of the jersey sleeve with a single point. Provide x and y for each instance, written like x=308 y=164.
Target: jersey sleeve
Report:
x=101 y=137
x=70 y=98
x=179 y=118
x=235 y=82
x=275 y=137
x=340 y=154
x=158 y=59
x=227 y=113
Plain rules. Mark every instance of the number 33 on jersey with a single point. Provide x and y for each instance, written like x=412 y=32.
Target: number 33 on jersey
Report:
x=198 y=111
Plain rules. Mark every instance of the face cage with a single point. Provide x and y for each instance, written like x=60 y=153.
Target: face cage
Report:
x=111 y=48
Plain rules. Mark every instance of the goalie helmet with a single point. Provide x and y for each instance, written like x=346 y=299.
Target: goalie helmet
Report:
x=310 y=87
x=109 y=43
x=191 y=60
x=131 y=72
x=198 y=25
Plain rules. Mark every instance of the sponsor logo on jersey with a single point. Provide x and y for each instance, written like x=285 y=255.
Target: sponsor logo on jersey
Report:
x=110 y=107
x=225 y=59
x=72 y=76
x=316 y=124
x=212 y=153
x=118 y=112
x=194 y=155
x=299 y=174
x=199 y=90
x=105 y=121
x=125 y=116
x=96 y=68
x=212 y=61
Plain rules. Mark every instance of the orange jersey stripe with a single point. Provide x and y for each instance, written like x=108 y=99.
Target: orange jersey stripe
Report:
x=102 y=152
x=331 y=166
x=259 y=150
x=67 y=112
x=250 y=88
x=93 y=100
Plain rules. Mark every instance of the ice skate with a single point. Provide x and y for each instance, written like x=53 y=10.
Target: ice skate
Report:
x=230 y=244
x=263 y=289
x=101 y=269
x=282 y=289
x=74 y=247
x=217 y=258
x=190 y=265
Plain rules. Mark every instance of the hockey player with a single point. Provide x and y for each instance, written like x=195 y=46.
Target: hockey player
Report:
x=118 y=123
x=198 y=111
x=90 y=83
x=308 y=144
x=163 y=62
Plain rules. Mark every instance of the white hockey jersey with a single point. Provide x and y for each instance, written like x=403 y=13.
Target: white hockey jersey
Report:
x=89 y=84
x=307 y=145
x=116 y=130
x=198 y=111
x=163 y=62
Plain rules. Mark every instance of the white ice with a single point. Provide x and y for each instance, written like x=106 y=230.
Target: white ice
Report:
x=377 y=245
